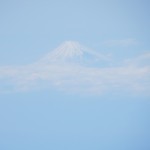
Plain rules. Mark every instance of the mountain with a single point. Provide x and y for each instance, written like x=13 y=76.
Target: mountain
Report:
x=72 y=52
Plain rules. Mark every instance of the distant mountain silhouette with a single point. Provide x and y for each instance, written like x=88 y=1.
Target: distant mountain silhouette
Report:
x=72 y=52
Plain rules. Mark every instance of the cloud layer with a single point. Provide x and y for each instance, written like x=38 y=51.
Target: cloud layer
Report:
x=74 y=75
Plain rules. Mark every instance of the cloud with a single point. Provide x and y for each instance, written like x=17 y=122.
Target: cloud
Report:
x=122 y=42
x=142 y=60
x=77 y=77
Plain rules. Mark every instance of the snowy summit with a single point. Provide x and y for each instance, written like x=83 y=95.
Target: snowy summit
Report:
x=73 y=52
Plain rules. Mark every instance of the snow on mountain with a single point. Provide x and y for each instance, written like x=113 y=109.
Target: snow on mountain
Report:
x=74 y=53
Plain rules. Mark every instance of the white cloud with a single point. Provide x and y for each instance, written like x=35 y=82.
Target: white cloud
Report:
x=142 y=60
x=79 y=78
x=76 y=77
x=122 y=42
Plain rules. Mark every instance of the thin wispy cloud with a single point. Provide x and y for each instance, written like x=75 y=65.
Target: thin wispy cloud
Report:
x=142 y=60
x=74 y=68
x=121 y=42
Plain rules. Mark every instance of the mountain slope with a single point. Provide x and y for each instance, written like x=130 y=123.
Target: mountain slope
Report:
x=74 y=53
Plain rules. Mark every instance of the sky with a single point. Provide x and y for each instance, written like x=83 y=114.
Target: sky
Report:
x=47 y=104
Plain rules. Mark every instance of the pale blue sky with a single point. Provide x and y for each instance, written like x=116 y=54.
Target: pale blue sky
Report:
x=30 y=29
x=48 y=118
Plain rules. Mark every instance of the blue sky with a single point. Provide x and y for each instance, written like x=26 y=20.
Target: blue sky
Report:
x=53 y=115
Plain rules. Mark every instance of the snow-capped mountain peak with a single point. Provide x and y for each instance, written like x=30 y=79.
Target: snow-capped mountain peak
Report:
x=68 y=49
x=72 y=52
